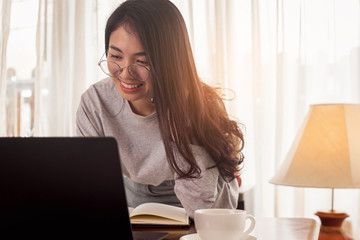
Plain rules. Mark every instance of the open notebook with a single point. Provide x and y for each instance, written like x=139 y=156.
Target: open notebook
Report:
x=63 y=186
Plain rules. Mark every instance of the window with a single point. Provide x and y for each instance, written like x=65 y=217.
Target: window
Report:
x=21 y=62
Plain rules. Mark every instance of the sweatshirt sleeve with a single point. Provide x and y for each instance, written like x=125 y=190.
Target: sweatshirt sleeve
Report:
x=87 y=122
x=208 y=191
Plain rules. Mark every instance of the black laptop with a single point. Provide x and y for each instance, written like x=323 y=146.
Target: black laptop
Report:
x=63 y=186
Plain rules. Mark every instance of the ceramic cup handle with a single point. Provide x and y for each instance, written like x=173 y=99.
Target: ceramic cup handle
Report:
x=252 y=225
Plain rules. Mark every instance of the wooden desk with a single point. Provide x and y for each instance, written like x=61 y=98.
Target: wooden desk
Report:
x=265 y=229
x=174 y=232
x=286 y=229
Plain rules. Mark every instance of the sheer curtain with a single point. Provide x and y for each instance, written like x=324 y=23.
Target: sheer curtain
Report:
x=4 y=35
x=69 y=44
x=66 y=65
x=274 y=58
x=279 y=57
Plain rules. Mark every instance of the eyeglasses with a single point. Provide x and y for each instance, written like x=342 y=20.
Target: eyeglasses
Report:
x=137 y=71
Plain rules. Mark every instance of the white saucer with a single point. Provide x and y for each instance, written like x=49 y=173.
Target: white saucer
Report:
x=195 y=236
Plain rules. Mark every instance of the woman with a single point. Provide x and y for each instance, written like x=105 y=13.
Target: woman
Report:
x=176 y=142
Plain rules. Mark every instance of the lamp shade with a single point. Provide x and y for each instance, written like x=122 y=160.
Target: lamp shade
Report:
x=326 y=150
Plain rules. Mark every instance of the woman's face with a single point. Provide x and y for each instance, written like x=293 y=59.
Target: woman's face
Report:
x=126 y=49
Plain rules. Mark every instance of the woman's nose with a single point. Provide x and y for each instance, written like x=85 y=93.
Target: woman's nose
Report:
x=124 y=73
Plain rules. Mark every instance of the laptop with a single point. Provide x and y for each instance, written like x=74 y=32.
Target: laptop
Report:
x=64 y=186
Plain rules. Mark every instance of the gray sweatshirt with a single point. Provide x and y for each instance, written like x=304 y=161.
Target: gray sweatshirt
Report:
x=103 y=112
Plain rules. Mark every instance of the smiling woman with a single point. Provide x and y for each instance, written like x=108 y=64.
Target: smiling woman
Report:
x=183 y=144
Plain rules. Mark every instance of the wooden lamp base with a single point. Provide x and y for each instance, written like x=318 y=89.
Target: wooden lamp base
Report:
x=331 y=226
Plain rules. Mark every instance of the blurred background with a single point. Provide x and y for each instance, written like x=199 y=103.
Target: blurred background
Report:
x=274 y=58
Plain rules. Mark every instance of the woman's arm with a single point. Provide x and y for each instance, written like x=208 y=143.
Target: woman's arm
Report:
x=208 y=191
x=86 y=120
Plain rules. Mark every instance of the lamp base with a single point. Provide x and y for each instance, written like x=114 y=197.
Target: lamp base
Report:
x=331 y=226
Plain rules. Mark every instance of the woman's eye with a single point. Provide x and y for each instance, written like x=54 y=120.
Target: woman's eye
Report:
x=115 y=57
x=142 y=62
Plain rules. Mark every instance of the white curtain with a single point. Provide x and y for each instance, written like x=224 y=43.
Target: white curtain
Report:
x=66 y=65
x=4 y=35
x=277 y=57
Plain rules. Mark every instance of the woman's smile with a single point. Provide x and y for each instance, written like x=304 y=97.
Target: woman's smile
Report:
x=127 y=87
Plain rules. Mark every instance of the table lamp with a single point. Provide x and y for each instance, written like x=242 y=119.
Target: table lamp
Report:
x=325 y=154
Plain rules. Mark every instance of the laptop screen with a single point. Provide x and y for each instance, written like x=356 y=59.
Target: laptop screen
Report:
x=62 y=184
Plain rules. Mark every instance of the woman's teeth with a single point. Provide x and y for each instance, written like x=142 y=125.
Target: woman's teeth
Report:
x=130 y=86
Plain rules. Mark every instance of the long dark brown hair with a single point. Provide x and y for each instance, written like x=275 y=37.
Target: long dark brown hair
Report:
x=189 y=111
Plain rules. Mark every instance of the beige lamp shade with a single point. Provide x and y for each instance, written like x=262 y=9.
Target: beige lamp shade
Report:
x=326 y=151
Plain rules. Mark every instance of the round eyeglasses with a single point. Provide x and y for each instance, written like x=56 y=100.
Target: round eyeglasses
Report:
x=137 y=71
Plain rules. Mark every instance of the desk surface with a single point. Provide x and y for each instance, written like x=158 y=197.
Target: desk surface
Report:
x=265 y=229
x=286 y=229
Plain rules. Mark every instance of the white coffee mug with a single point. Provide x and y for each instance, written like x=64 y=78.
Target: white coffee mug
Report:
x=229 y=224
